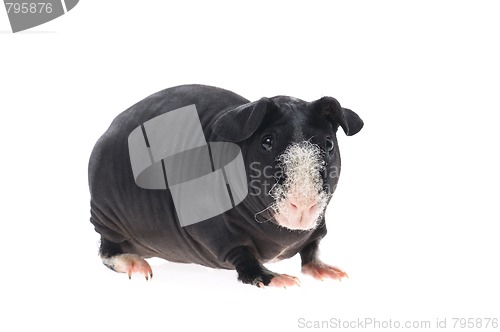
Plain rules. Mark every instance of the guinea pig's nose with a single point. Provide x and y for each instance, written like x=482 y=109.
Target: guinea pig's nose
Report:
x=307 y=206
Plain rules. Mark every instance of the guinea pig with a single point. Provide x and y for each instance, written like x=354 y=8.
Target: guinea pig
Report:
x=277 y=159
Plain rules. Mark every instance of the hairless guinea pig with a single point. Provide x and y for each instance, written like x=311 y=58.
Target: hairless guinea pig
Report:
x=198 y=174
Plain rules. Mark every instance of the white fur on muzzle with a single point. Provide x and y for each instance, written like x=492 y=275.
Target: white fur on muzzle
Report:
x=300 y=200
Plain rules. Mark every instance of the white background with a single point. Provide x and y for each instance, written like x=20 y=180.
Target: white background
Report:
x=414 y=220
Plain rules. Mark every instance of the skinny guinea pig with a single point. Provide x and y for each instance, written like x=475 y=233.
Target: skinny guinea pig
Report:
x=291 y=163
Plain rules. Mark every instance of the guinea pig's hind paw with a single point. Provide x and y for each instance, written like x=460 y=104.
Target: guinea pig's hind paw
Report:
x=129 y=264
x=284 y=281
x=320 y=271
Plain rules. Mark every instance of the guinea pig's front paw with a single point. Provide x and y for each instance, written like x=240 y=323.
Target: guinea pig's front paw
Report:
x=129 y=264
x=262 y=277
x=320 y=271
x=284 y=281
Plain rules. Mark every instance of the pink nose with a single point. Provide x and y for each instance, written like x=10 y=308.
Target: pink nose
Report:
x=300 y=207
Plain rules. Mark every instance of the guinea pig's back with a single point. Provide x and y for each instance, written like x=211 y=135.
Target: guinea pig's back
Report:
x=143 y=221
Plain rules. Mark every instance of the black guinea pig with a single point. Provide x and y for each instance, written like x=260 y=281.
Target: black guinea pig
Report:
x=255 y=193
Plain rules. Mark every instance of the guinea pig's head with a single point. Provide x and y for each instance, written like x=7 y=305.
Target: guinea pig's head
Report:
x=291 y=154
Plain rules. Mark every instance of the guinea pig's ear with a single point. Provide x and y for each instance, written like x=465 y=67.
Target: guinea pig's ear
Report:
x=241 y=122
x=347 y=119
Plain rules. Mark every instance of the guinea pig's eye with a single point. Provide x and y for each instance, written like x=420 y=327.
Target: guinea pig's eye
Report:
x=267 y=142
x=329 y=144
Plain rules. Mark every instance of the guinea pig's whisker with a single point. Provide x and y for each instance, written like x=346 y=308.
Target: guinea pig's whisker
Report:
x=262 y=212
